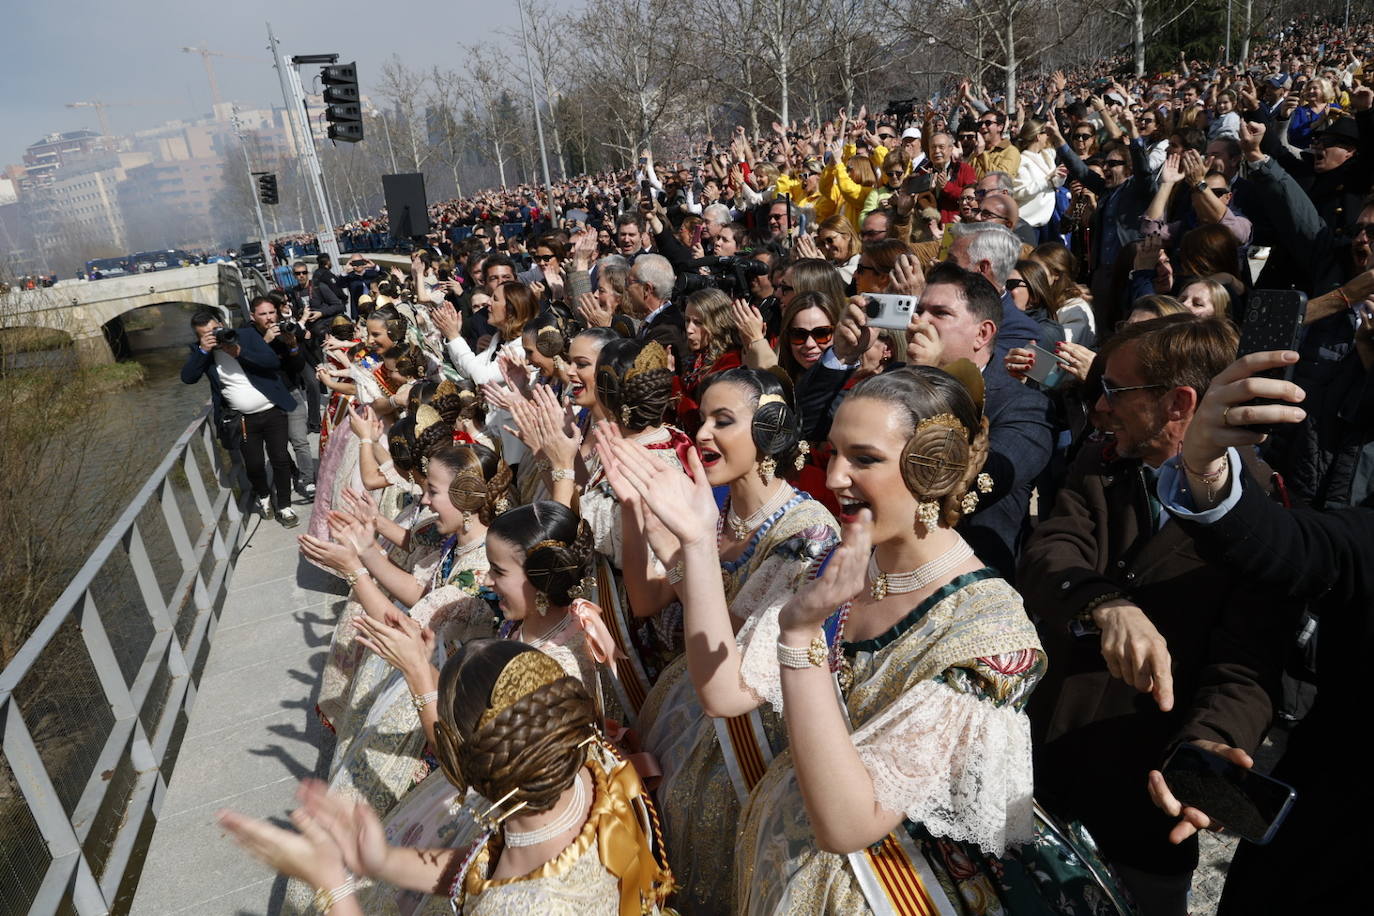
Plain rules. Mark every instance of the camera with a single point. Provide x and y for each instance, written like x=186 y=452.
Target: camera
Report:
x=289 y=326
x=225 y=337
x=731 y=274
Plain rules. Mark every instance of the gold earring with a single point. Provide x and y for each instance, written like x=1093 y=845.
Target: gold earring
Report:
x=969 y=502
x=984 y=482
x=624 y=414
x=767 y=468
x=467 y=521
x=803 y=449
x=541 y=604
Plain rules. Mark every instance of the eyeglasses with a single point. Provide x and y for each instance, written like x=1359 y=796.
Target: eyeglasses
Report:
x=1015 y=283
x=873 y=235
x=300 y=273
x=783 y=287
x=1082 y=137
x=887 y=136
x=989 y=216
x=822 y=335
x=1109 y=392
x=980 y=193
x=1114 y=163
x=965 y=138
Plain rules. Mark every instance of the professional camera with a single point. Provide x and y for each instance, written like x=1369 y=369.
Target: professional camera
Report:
x=225 y=337
x=730 y=274
x=290 y=326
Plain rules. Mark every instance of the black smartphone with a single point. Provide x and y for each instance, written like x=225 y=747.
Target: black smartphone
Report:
x=1272 y=321
x=646 y=190
x=1247 y=803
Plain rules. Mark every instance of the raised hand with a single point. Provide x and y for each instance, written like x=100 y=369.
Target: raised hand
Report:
x=593 y=312
x=448 y=321
x=399 y=640
x=748 y=320
x=907 y=277
x=923 y=344
x=1172 y=172
x=843 y=578
x=684 y=504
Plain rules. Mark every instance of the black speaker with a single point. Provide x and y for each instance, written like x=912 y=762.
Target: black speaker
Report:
x=405 y=204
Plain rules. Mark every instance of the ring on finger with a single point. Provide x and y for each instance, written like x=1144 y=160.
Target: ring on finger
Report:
x=1224 y=412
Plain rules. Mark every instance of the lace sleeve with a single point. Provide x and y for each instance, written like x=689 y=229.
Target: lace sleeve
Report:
x=602 y=512
x=761 y=598
x=953 y=753
x=396 y=480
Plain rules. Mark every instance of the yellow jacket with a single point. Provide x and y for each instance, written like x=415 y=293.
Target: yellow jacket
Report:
x=847 y=195
x=1004 y=158
x=796 y=189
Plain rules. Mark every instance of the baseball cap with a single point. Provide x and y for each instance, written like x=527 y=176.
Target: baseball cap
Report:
x=911 y=133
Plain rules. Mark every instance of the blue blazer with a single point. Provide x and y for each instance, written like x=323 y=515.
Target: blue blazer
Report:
x=259 y=363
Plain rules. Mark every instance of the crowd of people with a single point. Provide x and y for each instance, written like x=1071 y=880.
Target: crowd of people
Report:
x=681 y=577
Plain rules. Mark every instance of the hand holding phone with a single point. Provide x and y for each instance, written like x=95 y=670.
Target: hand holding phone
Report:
x=1210 y=786
x=1272 y=321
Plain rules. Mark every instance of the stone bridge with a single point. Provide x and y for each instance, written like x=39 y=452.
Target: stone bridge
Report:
x=83 y=309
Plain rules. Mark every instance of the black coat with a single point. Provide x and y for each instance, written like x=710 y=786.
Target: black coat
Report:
x=1326 y=558
x=260 y=363
x=669 y=328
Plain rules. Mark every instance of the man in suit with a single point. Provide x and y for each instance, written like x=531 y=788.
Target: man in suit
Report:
x=958 y=319
x=649 y=287
x=245 y=380
x=1138 y=624
x=992 y=250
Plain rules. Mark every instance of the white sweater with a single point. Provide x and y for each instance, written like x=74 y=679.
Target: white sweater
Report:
x=1034 y=186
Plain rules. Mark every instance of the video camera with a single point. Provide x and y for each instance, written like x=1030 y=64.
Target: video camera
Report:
x=225 y=337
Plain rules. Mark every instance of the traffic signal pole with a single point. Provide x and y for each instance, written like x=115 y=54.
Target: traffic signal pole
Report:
x=253 y=190
x=294 y=96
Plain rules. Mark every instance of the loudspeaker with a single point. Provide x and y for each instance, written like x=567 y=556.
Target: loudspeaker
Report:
x=405 y=204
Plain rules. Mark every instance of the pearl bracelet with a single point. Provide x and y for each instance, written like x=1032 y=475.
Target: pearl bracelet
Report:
x=421 y=700
x=325 y=898
x=562 y=474
x=813 y=656
x=675 y=574
x=353 y=577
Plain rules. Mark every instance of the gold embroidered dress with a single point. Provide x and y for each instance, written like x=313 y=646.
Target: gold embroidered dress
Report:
x=936 y=708
x=699 y=795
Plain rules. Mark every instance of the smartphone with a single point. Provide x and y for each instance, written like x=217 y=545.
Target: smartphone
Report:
x=646 y=190
x=1250 y=804
x=1272 y=321
x=1047 y=370
x=697 y=234
x=887 y=310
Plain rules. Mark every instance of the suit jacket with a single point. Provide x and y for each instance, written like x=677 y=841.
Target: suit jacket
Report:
x=325 y=299
x=669 y=328
x=259 y=363
x=1096 y=737
x=1020 y=439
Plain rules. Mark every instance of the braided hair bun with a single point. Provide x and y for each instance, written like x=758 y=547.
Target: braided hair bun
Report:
x=948 y=442
x=481 y=480
x=533 y=747
x=400 y=442
x=558 y=547
x=776 y=426
x=634 y=383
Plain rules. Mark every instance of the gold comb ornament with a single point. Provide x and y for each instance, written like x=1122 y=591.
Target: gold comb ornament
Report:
x=522 y=676
x=653 y=356
x=447 y=389
x=771 y=399
x=972 y=380
x=425 y=417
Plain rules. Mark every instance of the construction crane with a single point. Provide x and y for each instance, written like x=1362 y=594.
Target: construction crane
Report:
x=101 y=106
x=205 y=55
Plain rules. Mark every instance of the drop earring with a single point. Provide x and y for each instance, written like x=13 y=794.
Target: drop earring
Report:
x=467 y=522
x=928 y=514
x=767 y=468
x=541 y=604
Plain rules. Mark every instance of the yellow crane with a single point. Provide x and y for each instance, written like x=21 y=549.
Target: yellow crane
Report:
x=205 y=55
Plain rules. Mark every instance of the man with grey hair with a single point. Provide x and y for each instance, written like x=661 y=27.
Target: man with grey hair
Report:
x=992 y=250
x=715 y=216
x=649 y=287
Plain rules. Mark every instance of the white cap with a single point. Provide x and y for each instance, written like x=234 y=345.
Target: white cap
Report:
x=911 y=133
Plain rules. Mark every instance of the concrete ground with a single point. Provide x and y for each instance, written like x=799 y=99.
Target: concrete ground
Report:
x=253 y=733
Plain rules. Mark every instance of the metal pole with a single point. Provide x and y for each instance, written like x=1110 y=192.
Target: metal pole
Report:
x=291 y=128
x=294 y=95
x=253 y=190
x=1228 y=32
x=386 y=128
x=1347 y=14
x=538 y=121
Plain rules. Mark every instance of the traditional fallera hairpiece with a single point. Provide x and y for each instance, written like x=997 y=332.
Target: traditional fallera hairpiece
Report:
x=771 y=399
x=425 y=417
x=523 y=675
x=651 y=357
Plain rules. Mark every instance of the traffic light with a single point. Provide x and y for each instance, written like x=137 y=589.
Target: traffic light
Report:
x=267 y=188
x=341 y=100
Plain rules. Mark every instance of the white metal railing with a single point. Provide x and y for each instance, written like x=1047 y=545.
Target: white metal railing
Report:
x=94 y=704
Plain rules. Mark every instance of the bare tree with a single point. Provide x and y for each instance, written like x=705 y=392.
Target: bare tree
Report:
x=482 y=91
x=404 y=88
x=1134 y=12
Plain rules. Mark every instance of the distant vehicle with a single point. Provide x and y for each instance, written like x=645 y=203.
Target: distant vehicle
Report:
x=101 y=268
x=250 y=255
x=148 y=261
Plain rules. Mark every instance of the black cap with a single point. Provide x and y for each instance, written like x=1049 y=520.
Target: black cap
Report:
x=1341 y=129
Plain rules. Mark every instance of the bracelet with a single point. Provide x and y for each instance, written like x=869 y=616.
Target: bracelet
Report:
x=1208 y=480
x=421 y=700
x=1340 y=291
x=368 y=441
x=558 y=474
x=353 y=577
x=813 y=656
x=1085 y=616
x=325 y=898
x=675 y=573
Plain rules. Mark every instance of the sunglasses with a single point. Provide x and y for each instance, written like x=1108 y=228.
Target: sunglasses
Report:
x=541 y=258
x=1110 y=392
x=822 y=335
x=1114 y=163
x=1082 y=136
x=1220 y=192
x=1015 y=283
x=300 y=273
x=967 y=137
x=887 y=136
x=990 y=122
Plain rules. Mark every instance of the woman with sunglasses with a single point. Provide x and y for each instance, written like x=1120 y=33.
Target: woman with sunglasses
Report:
x=839 y=243
x=1038 y=178
x=795 y=352
x=895 y=169
x=876 y=262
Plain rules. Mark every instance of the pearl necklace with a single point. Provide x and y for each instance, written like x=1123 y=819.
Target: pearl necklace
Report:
x=541 y=640
x=740 y=527
x=927 y=574
x=556 y=827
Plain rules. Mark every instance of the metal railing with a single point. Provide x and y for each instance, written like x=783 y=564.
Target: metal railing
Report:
x=94 y=705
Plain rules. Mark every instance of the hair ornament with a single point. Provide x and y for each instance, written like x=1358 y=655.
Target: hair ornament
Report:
x=583 y=588
x=523 y=675
x=984 y=482
x=967 y=374
x=652 y=356
x=803 y=449
x=771 y=399
x=425 y=417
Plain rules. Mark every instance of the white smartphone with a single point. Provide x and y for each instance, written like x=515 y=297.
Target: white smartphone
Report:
x=886 y=310
x=1047 y=370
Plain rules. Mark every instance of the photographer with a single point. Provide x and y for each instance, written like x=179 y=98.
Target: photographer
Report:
x=285 y=336
x=250 y=403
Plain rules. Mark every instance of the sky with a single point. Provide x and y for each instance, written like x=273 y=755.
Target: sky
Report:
x=61 y=51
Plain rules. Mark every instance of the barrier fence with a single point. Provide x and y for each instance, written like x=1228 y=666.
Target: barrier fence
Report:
x=94 y=705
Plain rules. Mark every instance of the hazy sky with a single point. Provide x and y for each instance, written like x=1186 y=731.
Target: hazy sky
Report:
x=63 y=51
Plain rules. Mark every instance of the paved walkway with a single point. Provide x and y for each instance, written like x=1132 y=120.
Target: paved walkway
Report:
x=252 y=734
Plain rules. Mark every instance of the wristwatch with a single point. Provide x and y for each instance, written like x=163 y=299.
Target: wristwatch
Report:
x=1201 y=186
